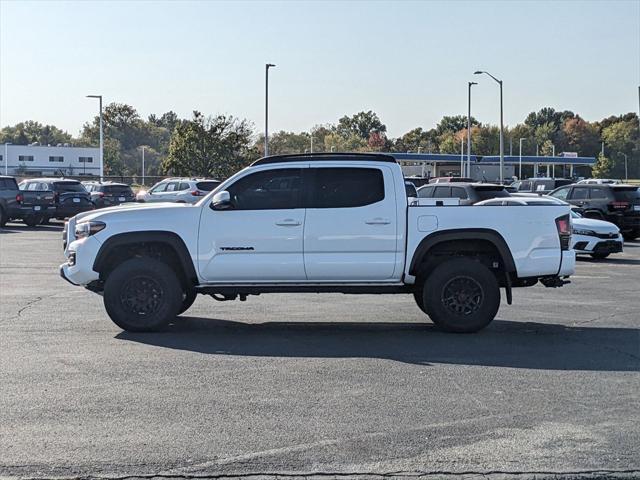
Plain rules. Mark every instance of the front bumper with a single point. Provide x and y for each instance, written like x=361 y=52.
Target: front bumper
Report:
x=587 y=244
x=80 y=255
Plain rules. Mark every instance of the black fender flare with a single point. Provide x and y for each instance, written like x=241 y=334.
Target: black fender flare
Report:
x=435 y=238
x=171 y=239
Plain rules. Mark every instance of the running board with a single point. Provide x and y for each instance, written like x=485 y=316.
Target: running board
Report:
x=256 y=289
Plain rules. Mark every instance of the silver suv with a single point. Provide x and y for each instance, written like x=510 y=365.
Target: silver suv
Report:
x=181 y=190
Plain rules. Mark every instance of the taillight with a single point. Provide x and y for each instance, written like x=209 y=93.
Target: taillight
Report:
x=618 y=205
x=563 y=225
x=197 y=193
x=19 y=198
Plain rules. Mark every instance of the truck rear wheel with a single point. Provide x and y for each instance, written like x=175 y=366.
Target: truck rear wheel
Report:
x=461 y=296
x=142 y=295
x=32 y=220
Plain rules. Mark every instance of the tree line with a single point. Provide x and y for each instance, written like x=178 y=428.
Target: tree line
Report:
x=219 y=145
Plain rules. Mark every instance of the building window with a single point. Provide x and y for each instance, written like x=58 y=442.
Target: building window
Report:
x=85 y=159
x=56 y=159
x=25 y=158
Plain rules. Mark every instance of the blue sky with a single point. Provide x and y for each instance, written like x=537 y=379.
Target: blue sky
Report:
x=408 y=61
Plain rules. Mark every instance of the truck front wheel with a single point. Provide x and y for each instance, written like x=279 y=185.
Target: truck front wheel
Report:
x=461 y=296
x=142 y=295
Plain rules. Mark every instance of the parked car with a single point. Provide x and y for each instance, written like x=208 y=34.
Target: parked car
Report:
x=618 y=204
x=109 y=194
x=540 y=186
x=30 y=207
x=411 y=189
x=468 y=193
x=181 y=190
x=600 y=181
x=451 y=179
x=314 y=223
x=69 y=196
x=593 y=237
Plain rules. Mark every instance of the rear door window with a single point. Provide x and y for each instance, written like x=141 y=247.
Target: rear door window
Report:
x=599 y=193
x=442 y=192
x=161 y=187
x=207 y=186
x=459 y=192
x=580 y=193
x=346 y=187
x=561 y=193
x=183 y=186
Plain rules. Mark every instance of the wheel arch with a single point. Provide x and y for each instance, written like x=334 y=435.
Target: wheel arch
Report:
x=463 y=234
x=141 y=242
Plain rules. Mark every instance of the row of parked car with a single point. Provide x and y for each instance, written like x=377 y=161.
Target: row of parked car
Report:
x=37 y=200
x=605 y=212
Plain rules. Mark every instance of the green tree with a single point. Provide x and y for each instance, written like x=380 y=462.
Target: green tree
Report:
x=603 y=167
x=24 y=133
x=361 y=124
x=453 y=124
x=210 y=147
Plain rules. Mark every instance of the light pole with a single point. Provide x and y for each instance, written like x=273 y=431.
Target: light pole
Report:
x=520 y=170
x=478 y=72
x=99 y=97
x=266 y=107
x=6 y=157
x=143 y=165
x=469 y=132
x=626 y=174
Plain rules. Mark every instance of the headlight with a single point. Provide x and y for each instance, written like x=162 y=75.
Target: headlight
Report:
x=588 y=233
x=86 y=229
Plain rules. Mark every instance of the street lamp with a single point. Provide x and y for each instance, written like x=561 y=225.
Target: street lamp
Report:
x=520 y=172
x=266 y=108
x=469 y=133
x=478 y=72
x=6 y=157
x=626 y=174
x=143 y=165
x=99 y=97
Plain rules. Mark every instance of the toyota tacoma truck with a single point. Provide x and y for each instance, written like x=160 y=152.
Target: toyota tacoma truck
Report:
x=316 y=223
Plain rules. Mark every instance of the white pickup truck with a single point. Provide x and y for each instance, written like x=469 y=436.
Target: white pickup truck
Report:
x=316 y=223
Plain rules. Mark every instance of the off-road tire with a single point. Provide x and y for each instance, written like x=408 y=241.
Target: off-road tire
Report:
x=32 y=220
x=461 y=296
x=142 y=295
x=188 y=297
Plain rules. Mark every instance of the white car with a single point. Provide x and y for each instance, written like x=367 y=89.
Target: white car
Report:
x=600 y=181
x=590 y=236
x=316 y=223
x=180 y=190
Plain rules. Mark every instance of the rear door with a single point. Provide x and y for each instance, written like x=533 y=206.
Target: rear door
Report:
x=351 y=229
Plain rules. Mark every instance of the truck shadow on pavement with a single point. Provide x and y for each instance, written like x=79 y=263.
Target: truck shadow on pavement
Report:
x=503 y=344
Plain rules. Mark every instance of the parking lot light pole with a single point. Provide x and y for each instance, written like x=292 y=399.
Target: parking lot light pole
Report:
x=626 y=174
x=6 y=157
x=520 y=170
x=99 y=97
x=469 y=132
x=143 y=165
x=266 y=108
x=479 y=72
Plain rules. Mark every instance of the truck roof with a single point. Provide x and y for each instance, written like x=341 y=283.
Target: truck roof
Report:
x=326 y=157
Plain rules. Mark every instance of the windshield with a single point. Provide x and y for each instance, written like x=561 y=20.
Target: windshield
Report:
x=626 y=194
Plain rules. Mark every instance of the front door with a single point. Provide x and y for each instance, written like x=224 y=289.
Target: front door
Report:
x=351 y=227
x=258 y=239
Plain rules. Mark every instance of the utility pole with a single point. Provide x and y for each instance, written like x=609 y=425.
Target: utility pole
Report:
x=468 y=173
x=478 y=72
x=143 y=165
x=99 y=97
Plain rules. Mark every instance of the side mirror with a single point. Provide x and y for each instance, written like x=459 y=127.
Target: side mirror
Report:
x=221 y=201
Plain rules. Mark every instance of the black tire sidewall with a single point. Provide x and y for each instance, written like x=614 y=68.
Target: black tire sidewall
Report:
x=190 y=296
x=161 y=273
x=443 y=318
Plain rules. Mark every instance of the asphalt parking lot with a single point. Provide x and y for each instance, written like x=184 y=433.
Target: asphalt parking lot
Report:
x=325 y=384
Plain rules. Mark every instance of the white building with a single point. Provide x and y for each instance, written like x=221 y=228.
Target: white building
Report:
x=41 y=160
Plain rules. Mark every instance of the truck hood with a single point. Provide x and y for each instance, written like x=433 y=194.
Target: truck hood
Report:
x=598 y=226
x=127 y=209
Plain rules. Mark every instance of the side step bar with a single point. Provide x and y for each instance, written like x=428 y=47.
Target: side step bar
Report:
x=256 y=289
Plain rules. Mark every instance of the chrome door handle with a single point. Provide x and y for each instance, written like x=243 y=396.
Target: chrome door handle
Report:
x=378 y=221
x=288 y=223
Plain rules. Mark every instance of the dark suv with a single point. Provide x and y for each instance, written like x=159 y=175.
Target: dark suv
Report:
x=468 y=193
x=70 y=197
x=540 y=186
x=619 y=204
x=109 y=194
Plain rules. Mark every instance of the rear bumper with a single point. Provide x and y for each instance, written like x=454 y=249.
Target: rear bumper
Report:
x=28 y=211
